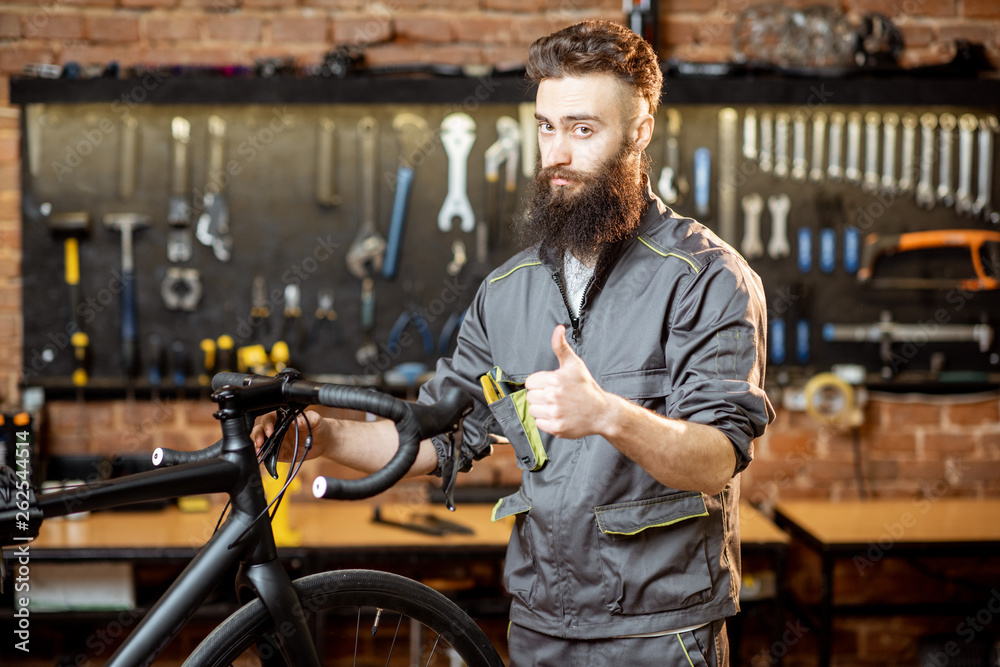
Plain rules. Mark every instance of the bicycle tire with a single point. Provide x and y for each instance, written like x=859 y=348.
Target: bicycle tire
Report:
x=328 y=592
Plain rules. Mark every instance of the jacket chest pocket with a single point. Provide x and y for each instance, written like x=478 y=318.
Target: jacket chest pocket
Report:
x=653 y=554
x=638 y=386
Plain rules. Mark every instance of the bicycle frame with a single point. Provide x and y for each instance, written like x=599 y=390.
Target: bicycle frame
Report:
x=239 y=539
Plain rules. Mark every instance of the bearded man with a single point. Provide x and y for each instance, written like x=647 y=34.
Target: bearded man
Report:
x=626 y=545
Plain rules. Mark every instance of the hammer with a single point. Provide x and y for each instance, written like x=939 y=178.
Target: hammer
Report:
x=127 y=224
x=72 y=227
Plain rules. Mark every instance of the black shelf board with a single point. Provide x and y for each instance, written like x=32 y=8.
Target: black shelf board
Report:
x=899 y=89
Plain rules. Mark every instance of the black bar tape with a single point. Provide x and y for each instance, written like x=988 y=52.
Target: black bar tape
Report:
x=163 y=457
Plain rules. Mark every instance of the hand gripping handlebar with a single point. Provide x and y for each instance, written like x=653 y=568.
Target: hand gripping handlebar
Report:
x=414 y=422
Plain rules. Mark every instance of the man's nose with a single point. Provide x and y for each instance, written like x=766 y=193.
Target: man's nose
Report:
x=557 y=153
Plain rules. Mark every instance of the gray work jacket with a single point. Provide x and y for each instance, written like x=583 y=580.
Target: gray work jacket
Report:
x=673 y=320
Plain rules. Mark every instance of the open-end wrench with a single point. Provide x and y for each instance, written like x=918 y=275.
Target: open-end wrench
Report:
x=967 y=125
x=458 y=133
x=728 y=166
x=413 y=136
x=890 y=122
x=871 y=178
x=753 y=205
x=983 y=206
x=852 y=172
x=368 y=246
x=835 y=168
x=816 y=172
x=779 y=206
x=750 y=135
x=766 y=142
x=178 y=207
x=925 y=186
x=800 y=166
x=781 y=167
x=908 y=151
x=946 y=134
x=673 y=184
x=128 y=156
x=326 y=164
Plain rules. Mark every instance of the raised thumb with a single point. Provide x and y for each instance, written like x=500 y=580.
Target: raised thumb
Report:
x=564 y=353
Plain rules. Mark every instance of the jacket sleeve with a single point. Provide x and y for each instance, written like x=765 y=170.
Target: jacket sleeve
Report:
x=470 y=360
x=715 y=353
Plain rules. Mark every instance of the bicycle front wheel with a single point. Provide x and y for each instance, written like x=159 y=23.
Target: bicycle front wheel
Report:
x=361 y=617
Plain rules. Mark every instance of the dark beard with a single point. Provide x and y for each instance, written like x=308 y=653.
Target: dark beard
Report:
x=607 y=207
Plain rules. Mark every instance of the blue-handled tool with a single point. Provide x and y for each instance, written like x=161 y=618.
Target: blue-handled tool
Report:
x=404 y=179
x=827 y=250
x=127 y=224
x=804 y=250
x=413 y=136
x=852 y=249
x=702 y=180
x=778 y=341
x=411 y=314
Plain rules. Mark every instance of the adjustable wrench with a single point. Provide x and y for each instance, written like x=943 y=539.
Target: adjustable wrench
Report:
x=766 y=142
x=817 y=172
x=835 y=169
x=781 y=121
x=800 y=166
x=967 y=125
x=983 y=205
x=750 y=135
x=778 y=246
x=890 y=121
x=213 y=224
x=925 y=187
x=945 y=190
x=368 y=246
x=753 y=206
x=907 y=167
x=852 y=172
x=871 y=178
x=673 y=184
x=458 y=133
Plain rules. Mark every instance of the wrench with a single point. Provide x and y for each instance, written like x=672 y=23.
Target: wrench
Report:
x=871 y=179
x=800 y=167
x=766 y=142
x=963 y=195
x=326 y=165
x=781 y=121
x=983 y=205
x=835 y=170
x=672 y=184
x=368 y=246
x=753 y=206
x=853 y=170
x=778 y=246
x=818 y=143
x=945 y=190
x=750 y=135
x=907 y=167
x=925 y=187
x=213 y=224
x=728 y=164
x=458 y=133
x=890 y=121
x=178 y=208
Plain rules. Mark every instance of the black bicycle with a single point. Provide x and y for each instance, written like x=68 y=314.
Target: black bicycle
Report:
x=281 y=622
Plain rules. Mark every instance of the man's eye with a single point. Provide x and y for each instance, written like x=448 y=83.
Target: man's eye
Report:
x=584 y=130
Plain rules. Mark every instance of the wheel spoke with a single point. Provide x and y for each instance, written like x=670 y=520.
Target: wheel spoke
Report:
x=433 y=648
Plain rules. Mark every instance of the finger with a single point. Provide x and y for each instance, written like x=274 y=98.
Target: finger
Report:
x=564 y=353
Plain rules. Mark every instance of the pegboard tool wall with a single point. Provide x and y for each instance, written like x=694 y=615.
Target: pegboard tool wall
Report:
x=281 y=232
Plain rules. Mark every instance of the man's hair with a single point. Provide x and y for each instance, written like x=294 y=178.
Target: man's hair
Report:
x=598 y=47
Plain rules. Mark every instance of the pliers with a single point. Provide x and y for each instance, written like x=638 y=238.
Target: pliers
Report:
x=411 y=313
x=325 y=317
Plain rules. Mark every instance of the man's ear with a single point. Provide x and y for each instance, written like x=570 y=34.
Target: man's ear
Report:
x=642 y=132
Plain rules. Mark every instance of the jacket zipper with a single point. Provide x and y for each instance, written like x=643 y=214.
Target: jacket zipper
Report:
x=573 y=320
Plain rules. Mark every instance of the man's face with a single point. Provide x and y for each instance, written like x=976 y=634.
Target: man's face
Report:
x=581 y=125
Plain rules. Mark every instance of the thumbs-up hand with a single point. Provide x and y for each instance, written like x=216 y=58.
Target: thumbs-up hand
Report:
x=567 y=402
